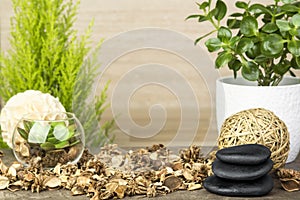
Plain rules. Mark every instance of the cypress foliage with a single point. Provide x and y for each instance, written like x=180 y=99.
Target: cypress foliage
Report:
x=48 y=55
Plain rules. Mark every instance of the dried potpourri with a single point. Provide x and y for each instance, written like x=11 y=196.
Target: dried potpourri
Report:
x=290 y=179
x=114 y=174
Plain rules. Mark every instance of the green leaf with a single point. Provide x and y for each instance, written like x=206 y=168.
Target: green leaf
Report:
x=212 y=13
x=295 y=63
x=61 y=132
x=249 y=26
x=224 y=34
x=203 y=5
x=283 y=25
x=221 y=10
x=294 y=47
x=192 y=16
x=233 y=23
x=47 y=146
x=241 y=4
x=72 y=127
x=258 y=9
x=296 y=20
x=202 y=18
x=254 y=52
x=56 y=123
x=234 y=41
x=236 y=15
x=272 y=45
x=235 y=65
x=270 y=28
x=223 y=59
x=38 y=133
x=295 y=32
x=23 y=133
x=27 y=125
x=52 y=140
x=288 y=1
x=244 y=45
x=282 y=67
x=3 y=145
x=261 y=59
x=213 y=44
x=62 y=145
x=290 y=8
x=76 y=142
x=250 y=71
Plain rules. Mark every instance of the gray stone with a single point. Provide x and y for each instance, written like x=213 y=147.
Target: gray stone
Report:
x=248 y=154
x=259 y=187
x=241 y=172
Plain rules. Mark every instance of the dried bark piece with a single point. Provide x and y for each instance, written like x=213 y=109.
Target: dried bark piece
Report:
x=173 y=182
x=194 y=186
x=111 y=187
x=16 y=186
x=29 y=177
x=120 y=191
x=3 y=167
x=4 y=182
x=290 y=184
x=83 y=181
x=150 y=172
x=192 y=154
x=24 y=150
x=12 y=171
x=77 y=190
x=52 y=182
x=177 y=166
x=187 y=175
x=288 y=173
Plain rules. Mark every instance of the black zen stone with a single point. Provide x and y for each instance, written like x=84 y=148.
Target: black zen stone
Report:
x=241 y=172
x=259 y=187
x=248 y=154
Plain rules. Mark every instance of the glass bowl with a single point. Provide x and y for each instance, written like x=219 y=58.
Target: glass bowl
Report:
x=57 y=138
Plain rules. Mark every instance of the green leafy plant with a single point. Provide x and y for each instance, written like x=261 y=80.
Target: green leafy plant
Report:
x=262 y=40
x=48 y=55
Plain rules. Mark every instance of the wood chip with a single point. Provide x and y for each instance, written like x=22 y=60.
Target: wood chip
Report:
x=173 y=182
x=4 y=182
x=290 y=184
x=52 y=182
x=113 y=173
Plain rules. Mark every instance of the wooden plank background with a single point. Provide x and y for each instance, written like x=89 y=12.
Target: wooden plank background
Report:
x=113 y=17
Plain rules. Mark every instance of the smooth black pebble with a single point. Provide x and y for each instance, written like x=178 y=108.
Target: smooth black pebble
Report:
x=241 y=172
x=259 y=187
x=248 y=154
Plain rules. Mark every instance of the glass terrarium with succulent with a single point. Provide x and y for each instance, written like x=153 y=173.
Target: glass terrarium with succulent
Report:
x=48 y=141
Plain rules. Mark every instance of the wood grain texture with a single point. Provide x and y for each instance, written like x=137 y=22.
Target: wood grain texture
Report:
x=113 y=17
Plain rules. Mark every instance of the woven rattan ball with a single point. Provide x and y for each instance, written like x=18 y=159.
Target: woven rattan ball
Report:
x=257 y=126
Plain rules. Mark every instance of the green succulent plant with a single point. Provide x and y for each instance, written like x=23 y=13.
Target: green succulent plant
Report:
x=55 y=135
x=261 y=41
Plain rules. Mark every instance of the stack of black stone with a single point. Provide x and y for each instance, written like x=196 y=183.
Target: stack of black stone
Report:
x=241 y=171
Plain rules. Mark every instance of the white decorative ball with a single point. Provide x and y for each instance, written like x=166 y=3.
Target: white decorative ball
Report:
x=31 y=101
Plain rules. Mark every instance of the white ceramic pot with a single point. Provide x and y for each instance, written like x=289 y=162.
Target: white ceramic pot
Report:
x=234 y=95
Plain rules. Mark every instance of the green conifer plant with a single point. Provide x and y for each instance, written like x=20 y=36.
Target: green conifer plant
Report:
x=47 y=54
